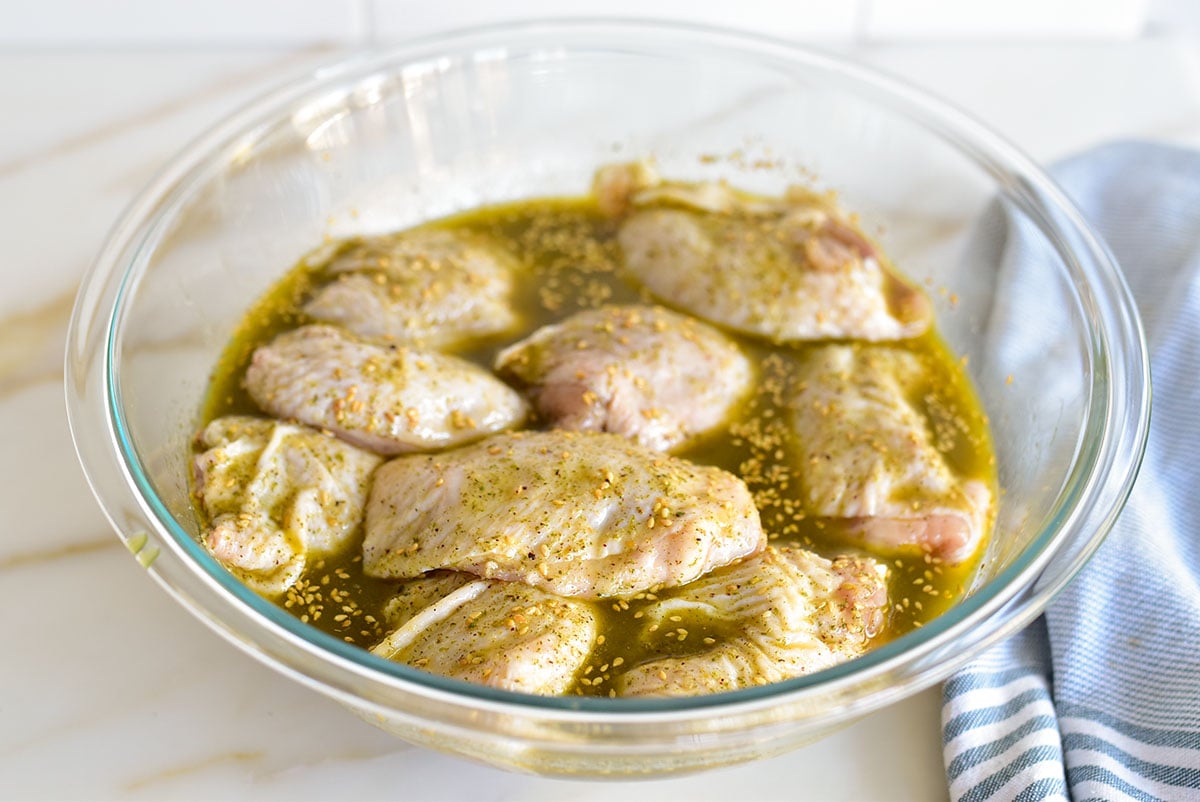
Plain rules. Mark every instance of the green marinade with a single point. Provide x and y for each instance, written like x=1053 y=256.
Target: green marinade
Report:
x=572 y=262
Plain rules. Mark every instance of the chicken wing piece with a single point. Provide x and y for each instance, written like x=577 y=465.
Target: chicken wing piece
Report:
x=501 y=634
x=426 y=287
x=865 y=455
x=386 y=398
x=786 y=269
x=774 y=616
x=645 y=372
x=579 y=514
x=276 y=493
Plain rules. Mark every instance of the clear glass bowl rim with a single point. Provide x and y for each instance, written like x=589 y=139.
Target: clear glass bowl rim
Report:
x=1112 y=445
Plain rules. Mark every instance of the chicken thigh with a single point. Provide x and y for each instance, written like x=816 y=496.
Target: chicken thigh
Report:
x=389 y=399
x=501 y=634
x=787 y=269
x=579 y=514
x=426 y=287
x=645 y=372
x=275 y=493
x=777 y=615
x=865 y=455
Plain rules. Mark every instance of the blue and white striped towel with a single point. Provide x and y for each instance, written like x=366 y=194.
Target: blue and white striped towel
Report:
x=1100 y=698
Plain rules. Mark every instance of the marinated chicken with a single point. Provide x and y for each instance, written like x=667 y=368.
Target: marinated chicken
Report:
x=586 y=515
x=644 y=372
x=777 y=615
x=414 y=595
x=501 y=634
x=865 y=455
x=386 y=398
x=494 y=458
x=789 y=269
x=275 y=494
x=428 y=287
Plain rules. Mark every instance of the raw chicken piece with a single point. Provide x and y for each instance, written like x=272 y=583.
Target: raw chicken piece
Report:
x=580 y=514
x=276 y=493
x=387 y=398
x=639 y=371
x=865 y=454
x=778 y=615
x=414 y=595
x=502 y=634
x=620 y=188
x=426 y=287
x=788 y=269
x=614 y=185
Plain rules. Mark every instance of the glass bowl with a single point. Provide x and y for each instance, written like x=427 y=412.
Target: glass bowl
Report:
x=1022 y=287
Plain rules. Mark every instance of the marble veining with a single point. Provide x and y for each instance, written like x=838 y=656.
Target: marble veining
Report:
x=31 y=344
x=151 y=112
x=57 y=552
x=180 y=772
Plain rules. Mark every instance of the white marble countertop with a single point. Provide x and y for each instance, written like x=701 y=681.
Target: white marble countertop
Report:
x=112 y=691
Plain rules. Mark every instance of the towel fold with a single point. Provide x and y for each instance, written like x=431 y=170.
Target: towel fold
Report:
x=1100 y=698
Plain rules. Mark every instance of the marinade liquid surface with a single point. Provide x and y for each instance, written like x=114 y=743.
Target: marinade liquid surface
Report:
x=571 y=261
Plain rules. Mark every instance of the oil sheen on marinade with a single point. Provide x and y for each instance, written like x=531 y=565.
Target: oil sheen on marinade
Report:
x=571 y=261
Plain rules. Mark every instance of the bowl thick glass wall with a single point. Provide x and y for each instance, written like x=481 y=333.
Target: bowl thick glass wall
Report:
x=1021 y=287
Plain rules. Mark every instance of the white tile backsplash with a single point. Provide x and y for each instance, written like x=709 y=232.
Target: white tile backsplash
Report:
x=186 y=22
x=300 y=22
x=950 y=19
x=798 y=19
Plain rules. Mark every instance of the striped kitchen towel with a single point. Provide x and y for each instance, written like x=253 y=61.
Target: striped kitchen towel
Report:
x=1100 y=698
